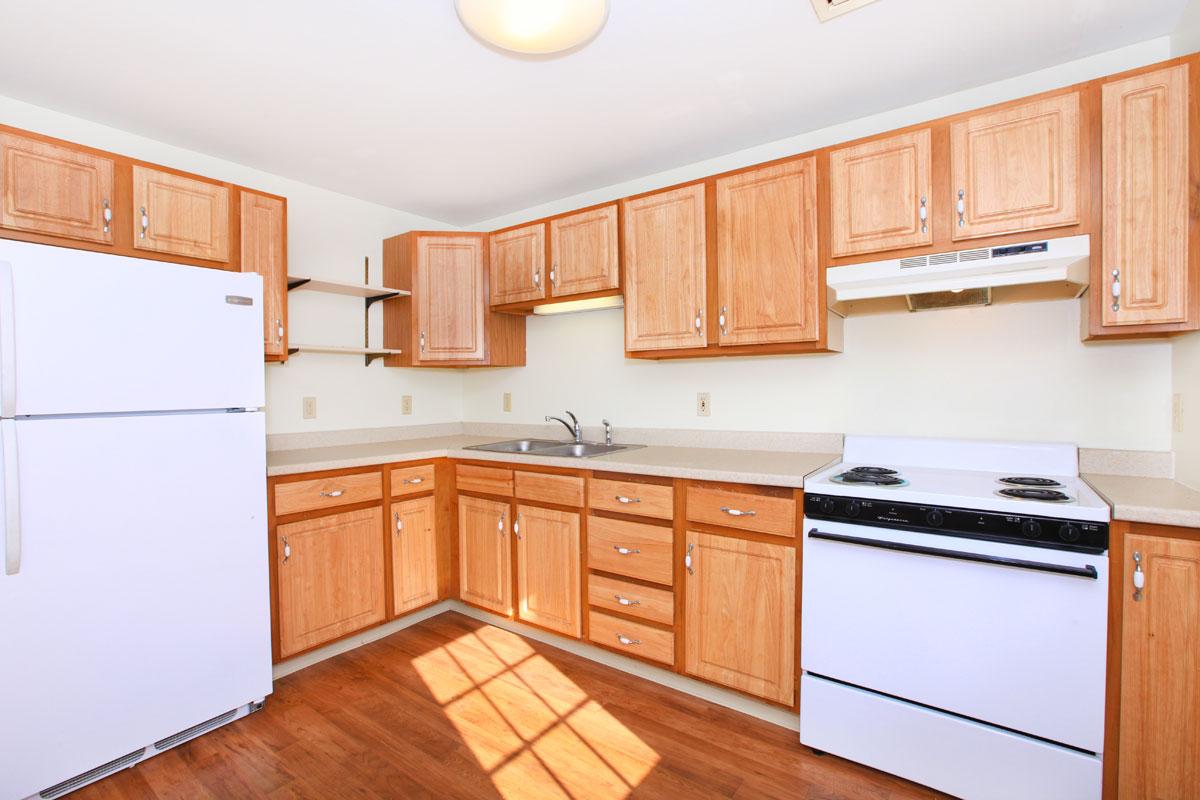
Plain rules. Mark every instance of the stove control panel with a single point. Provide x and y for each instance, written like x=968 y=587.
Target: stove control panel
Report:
x=1026 y=529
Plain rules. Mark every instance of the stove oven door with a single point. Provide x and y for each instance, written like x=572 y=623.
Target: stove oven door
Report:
x=1009 y=635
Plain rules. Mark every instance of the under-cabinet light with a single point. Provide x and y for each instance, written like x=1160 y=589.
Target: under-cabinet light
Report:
x=590 y=304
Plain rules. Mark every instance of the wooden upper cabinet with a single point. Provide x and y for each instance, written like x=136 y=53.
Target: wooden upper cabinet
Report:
x=1145 y=163
x=55 y=190
x=881 y=194
x=414 y=554
x=666 y=261
x=548 y=569
x=264 y=250
x=449 y=296
x=484 y=553
x=518 y=264
x=768 y=275
x=583 y=252
x=179 y=215
x=1016 y=169
x=1160 y=637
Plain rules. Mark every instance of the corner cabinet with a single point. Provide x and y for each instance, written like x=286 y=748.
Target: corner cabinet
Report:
x=264 y=250
x=55 y=190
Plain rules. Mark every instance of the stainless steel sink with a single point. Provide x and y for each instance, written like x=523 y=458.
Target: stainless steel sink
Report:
x=547 y=447
x=516 y=446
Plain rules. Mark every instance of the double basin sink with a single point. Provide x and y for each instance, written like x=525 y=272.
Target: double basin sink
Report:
x=549 y=447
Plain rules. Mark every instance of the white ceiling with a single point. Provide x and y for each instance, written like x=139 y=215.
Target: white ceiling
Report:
x=392 y=101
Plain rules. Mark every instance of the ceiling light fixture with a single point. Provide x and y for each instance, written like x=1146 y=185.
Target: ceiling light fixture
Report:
x=533 y=27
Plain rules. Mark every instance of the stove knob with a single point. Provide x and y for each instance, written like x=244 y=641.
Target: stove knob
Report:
x=828 y=506
x=1031 y=529
x=1069 y=533
x=853 y=508
x=935 y=518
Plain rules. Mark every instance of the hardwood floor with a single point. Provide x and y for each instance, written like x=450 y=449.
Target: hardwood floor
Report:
x=455 y=708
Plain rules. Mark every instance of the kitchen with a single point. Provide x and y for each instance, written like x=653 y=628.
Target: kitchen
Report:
x=879 y=479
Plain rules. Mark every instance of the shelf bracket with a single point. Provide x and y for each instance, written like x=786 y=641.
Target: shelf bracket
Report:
x=369 y=357
x=296 y=284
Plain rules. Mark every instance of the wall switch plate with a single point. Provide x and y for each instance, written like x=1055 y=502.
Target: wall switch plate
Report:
x=1177 y=412
x=310 y=408
x=507 y=402
x=406 y=404
x=703 y=404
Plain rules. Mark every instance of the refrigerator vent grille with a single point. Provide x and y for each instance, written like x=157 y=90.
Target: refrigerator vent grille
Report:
x=71 y=784
x=195 y=730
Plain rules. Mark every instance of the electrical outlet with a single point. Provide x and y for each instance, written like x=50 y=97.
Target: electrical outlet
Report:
x=1177 y=413
x=406 y=404
x=703 y=404
x=507 y=402
x=310 y=408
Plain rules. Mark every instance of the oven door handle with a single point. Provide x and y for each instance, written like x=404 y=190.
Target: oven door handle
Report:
x=1087 y=571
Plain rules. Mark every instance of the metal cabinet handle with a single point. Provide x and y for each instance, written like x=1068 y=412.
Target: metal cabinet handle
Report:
x=625 y=640
x=413 y=481
x=962 y=208
x=924 y=214
x=517 y=527
x=537 y=277
x=622 y=499
x=145 y=222
x=735 y=512
x=554 y=275
x=625 y=551
x=422 y=341
x=687 y=560
x=1139 y=577
x=500 y=524
x=279 y=330
x=334 y=493
x=699 y=322
x=107 y=213
x=1116 y=290
x=287 y=550
x=399 y=523
x=625 y=601
x=722 y=318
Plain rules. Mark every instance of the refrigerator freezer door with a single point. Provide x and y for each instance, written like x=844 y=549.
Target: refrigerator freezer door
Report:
x=141 y=607
x=97 y=333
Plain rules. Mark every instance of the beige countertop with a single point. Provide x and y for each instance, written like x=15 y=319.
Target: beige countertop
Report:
x=1157 y=501
x=766 y=467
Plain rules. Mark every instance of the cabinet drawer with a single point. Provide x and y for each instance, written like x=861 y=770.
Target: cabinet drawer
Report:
x=643 y=499
x=751 y=512
x=656 y=605
x=564 y=490
x=488 y=480
x=638 y=639
x=630 y=548
x=410 y=480
x=343 y=490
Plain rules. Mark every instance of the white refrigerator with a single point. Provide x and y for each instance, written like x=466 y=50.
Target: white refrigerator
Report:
x=134 y=597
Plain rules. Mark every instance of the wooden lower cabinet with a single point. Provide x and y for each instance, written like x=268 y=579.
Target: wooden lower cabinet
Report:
x=740 y=615
x=330 y=578
x=414 y=554
x=548 y=567
x=1160 y=680
x=484 y=553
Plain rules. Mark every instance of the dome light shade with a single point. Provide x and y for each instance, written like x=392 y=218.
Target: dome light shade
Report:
x=536 y=27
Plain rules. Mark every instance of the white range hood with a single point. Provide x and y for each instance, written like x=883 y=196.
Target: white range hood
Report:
x=1061 y=264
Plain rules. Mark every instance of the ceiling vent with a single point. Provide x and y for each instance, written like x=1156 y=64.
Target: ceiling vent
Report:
x=828 y=9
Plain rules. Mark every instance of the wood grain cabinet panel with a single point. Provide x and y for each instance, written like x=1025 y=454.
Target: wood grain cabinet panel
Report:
x=740 y=615
x=264 y=250
x=414 y=554
x=548 y=569
x=563 y=490
x=486 y=480
x=1016 y=169
x=768 y=275
x=630 y=497
x=633 y=549
x=732 y=509
x=55 y=190
x=1145 y=165
x=1160 y=682
x=583 y=252
x=412 y=480
x=635 y=638
x=449 y=296
x=485 y=554
x=330 y=578
x=666 y=261
x=317 y=493
x=613 y=594
x=178 y=215
x=881 y=194
x=518 y=264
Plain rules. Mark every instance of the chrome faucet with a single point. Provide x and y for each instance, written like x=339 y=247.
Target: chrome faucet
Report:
x=607 y=432
x=572 y=426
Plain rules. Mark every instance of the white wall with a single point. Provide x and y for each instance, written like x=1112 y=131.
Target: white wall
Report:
x=1186 y=374
x=328 y=236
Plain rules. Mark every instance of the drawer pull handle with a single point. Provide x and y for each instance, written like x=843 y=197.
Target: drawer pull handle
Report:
x=399 y=523
x=1139 y=577
x=620 y=498
x=107 y=216
x=734 y=512
x=413 y=481
x=625 y=551
x=625 y=601
x=145 y=223
x=625 y=640
x=517 y=527
x=687 y=559
x=334 y=493
x=287 y=550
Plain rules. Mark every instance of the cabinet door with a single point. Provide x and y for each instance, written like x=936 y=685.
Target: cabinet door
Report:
x=880 y=194
x=264 y=250
x=1016 y=169
x=485 y=576
x=767 y=268
x=414 y=554
x=448 y=291
x=548 y=569
x=1145 y=163
x=666 y=270
x=583 y=252
x=518 y=264
x=1160 y=686
x=330 y=575
x=178 y=215
x=55 y=190
x=741 y=615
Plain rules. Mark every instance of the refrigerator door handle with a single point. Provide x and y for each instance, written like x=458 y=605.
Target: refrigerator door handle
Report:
x=12 y=497
x=8 y=343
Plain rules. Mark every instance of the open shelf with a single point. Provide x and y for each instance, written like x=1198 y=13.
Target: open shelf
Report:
x=370 y=353
x=371 y=293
